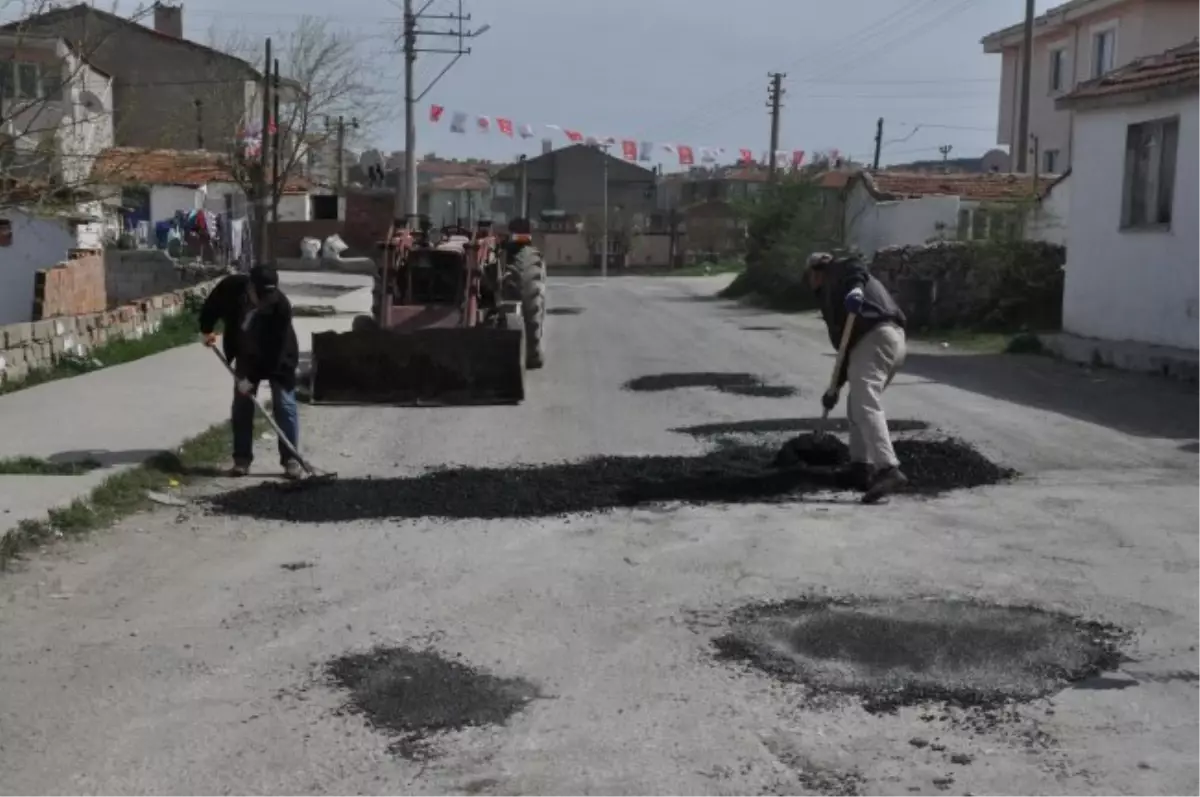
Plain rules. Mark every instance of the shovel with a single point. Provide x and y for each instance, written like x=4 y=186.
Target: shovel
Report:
x=314 y=476
x=819 y=448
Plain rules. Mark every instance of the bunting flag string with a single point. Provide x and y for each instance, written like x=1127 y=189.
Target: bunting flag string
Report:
x=631 y=149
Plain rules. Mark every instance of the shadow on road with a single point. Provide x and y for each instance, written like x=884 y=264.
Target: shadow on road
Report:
x=1135 y=404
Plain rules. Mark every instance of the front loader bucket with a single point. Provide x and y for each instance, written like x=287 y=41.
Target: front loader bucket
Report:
x=433 y=366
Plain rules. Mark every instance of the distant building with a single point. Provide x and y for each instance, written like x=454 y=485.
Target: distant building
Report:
x=992 y=161
x=1075 y=42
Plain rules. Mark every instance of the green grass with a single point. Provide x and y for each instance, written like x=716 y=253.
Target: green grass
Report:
x=36 y=466
x=709 y=269
x=176 y=330
x=124 y=493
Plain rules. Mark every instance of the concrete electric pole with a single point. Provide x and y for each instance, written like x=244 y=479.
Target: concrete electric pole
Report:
x=411 y=38
x=264 y=154
x=878 y=144
x=774 y=95
x=604 y=236
x=1020 y=145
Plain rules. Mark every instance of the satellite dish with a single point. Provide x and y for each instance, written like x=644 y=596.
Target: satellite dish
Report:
x=91 y=102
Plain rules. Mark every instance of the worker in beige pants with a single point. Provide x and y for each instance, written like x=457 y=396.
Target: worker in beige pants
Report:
x=875 y=351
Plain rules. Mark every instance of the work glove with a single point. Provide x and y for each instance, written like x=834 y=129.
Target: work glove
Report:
x=245 y=387
x=829 y=399
x=210 y=339
x=854 y=301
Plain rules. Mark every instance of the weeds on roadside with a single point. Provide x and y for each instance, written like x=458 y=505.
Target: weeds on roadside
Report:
x=36 y=466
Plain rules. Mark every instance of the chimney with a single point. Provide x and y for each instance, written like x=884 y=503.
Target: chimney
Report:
x=169 y=20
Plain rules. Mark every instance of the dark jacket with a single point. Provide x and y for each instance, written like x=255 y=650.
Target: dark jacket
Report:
x=841 y=277
x=262 y=347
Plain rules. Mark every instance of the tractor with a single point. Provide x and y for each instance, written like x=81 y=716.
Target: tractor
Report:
x=458 y=317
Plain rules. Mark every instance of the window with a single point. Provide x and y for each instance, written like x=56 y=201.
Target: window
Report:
x=24 y=81
x=27 y=81
x=1058 y=69
x=1149 y=173
x=1104 y=51
x=324 y=207
x=1050 y=161
x=504 y=190
x=52 y=84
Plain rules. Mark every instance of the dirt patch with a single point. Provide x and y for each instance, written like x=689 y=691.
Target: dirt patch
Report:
x=730 y=474
x=905 y=652
x=734 y=383
x=564 y=310
x=416 y=694
x=785 y=425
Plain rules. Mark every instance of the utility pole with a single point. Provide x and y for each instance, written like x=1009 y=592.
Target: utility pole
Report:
x=524 y=188
x=260 y=218
x=878 y=144
x=411 y=38
x=1035 y=146
x=339 y=129
x=276 y=187
x=604 y=237
x=774 y=95
x=1026 y=73
x=945 y=149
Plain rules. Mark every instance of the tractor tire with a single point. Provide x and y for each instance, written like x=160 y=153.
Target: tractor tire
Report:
x=529 y=269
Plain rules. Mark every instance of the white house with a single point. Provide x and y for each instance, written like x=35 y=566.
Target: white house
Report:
x=160 y=182
x=35 y=236
x=907 y=209
x=57 y=111
x=1132 y=260
x=1073 y=42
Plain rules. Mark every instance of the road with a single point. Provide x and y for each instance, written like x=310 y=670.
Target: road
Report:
x=176 y=654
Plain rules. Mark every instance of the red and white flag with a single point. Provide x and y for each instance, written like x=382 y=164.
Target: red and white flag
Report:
x=505 y=126
x=458 y=122
x=435 y=113
x=747 y=156
x=797 y=158
x=574 y=135
x=686 y=158
x=629 y=149
x=526 y=131
x=484 y=123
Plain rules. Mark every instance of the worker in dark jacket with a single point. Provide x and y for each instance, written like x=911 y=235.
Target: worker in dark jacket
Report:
x=875 y=351
x=261 y=344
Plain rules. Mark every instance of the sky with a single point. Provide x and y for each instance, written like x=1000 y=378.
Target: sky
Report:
x=677 y=71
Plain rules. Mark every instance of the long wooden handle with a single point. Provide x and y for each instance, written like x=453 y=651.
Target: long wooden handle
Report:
x=841 y=354
x=263 y=411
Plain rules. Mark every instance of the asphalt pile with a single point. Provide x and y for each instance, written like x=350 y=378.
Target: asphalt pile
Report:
x=784 y=425
x=729 y=474
x=414 y=695
x=907 y=652
x=726 y=382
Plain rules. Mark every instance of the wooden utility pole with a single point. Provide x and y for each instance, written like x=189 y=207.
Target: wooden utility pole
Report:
x=276 y=188
x=878 y=144
x=1021 y=142
x=339 y=129
x=774 y=95
x=260 y=206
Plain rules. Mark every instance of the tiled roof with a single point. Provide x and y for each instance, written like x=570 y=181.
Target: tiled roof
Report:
x=134 y=165
x=1176 y=68
x=456 y=168
x=976 y=187
x=459 y=183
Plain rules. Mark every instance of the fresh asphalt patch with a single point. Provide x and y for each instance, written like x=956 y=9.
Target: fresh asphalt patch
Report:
x=730 y=474
x=564 y=310
x=761 y=329
x=892 y=653
x=726 y=382
x=784 y=425
x=414 y=695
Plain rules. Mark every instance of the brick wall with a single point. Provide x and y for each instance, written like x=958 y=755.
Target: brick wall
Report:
x=130 y=275
x=40 y=344
x=368 y=216
x=73 y=287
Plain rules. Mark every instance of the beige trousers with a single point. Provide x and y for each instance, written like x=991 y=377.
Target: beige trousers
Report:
x=873 y=362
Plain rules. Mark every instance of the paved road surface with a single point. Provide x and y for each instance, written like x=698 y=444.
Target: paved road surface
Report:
x=173 y=654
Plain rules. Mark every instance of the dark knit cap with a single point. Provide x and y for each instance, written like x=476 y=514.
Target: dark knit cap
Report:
x=264 y=278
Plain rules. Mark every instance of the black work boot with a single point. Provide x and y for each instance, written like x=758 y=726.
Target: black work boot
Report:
x=886 y=481
x=855 y=476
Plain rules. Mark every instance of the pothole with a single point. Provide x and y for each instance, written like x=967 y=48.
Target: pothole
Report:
x=726 y=382
x=414 y=695
x=784 y=425
x=892 y=653
x=730 y=474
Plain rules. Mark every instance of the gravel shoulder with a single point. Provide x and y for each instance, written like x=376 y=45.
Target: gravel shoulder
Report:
x=178 y=654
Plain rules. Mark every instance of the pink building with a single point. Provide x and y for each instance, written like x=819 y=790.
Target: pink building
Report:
x=1073 y=43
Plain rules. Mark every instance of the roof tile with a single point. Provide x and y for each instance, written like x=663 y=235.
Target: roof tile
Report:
x=1179 y=66
x=126 y=165
x=975 y=187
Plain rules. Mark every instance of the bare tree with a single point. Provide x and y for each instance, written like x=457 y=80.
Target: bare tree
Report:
x=325 y=77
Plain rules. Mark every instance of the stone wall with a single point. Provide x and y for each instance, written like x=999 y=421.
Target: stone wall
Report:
x=72 y=287
x=286 y=235
x=976 y=285
x=40 y=344
x=133 y=274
